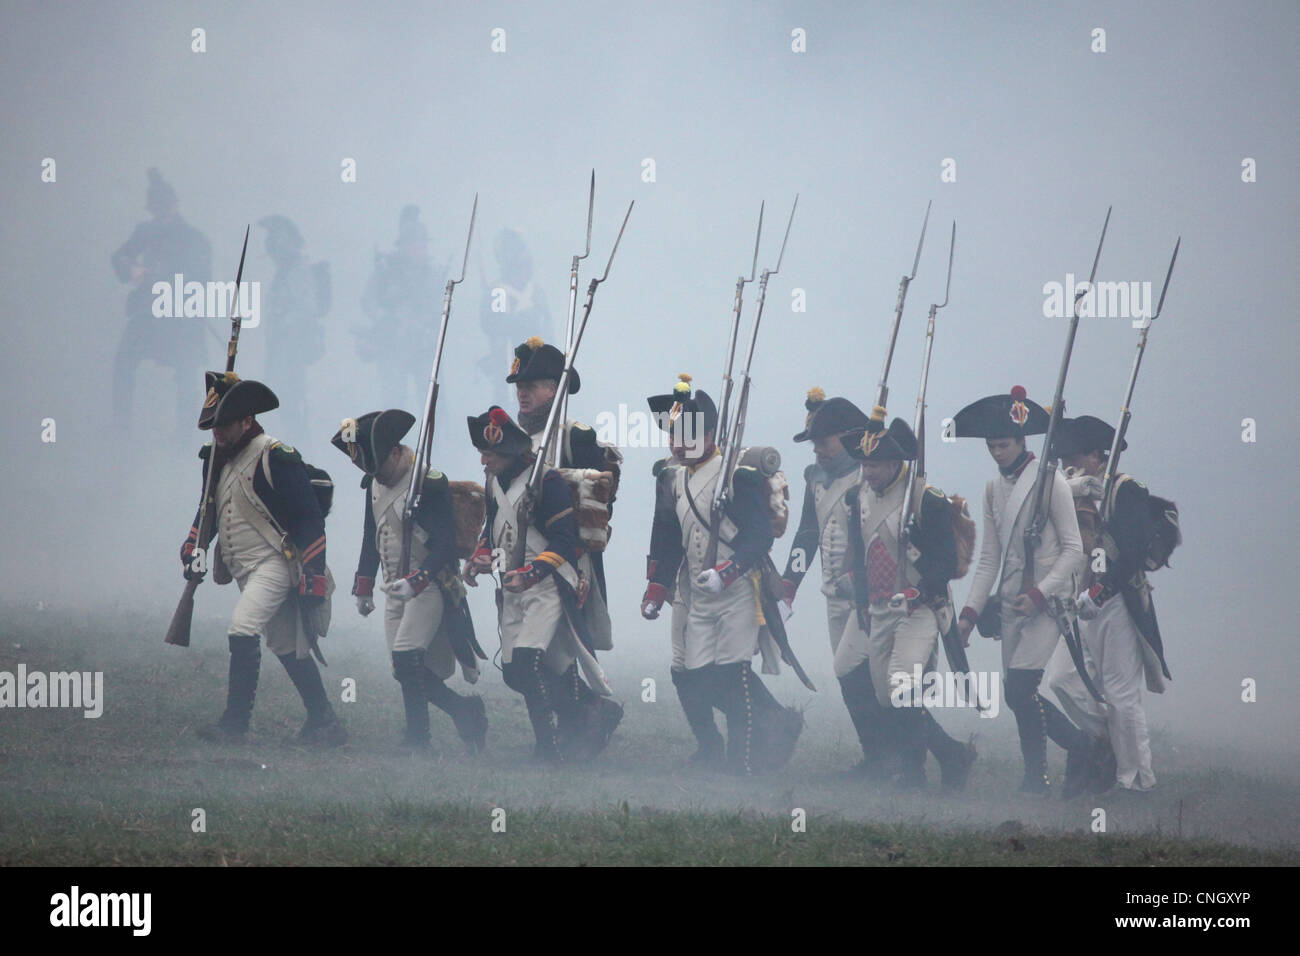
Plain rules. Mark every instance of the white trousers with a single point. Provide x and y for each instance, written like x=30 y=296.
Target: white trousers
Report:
x=1113 y=654
x=267 y=606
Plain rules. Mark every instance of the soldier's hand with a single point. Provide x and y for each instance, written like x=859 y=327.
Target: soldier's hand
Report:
x=964 y=627
x=1087 y=604
x=521 y=579
x=365 y=604
x=713 y=580
x=653 y=600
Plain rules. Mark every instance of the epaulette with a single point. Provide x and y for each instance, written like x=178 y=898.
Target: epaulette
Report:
x=746 y=473
x=660 y=466
x=206 y=451
x=808 y=472
x=285 y=453
x=367 y=480
x=435 y=480
x=580 y=434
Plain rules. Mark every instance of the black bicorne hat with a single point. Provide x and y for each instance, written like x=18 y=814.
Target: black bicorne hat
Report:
x=875 y=442
x=1078 y=436
x=830 y=416
x=1010 y=415
x=495 y=431
x=668 y=409
x=231 y=398
x=535 y=359
x=370 y=439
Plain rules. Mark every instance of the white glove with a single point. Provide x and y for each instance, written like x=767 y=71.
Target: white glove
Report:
x=365 y=604
x=1084 y=486
x=399 y=590
x=710 y=580
x=1086 y=606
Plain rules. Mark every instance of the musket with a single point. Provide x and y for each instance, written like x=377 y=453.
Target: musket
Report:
x=734 y=436
x=424 y=445
x=734 y=432
x=586 y=660
x=552 y=452
x=178 y=632
x=1038 y=506
x=1039 y=502
x=724 y=394
x=1121 y=428
x=882 y=389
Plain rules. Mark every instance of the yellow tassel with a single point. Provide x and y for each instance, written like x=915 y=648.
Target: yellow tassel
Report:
x=682 y=388
x=230 y=378
x=534 y=342
x=878 y=412
x=816 y=394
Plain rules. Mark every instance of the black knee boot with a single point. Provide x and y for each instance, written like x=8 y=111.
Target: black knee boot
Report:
x=1021 y=688
x=410 y=671
x=868 y=720
x=468 y=713
x=524 y=674
x=322 y=726
x=693 y=691
x=241 y=689
x=733 y=694
x=909 y=741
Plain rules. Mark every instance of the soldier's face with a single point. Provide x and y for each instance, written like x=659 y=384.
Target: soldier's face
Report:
x=826 y=449
x=1005 y=450
x=535 y=394
x=227 y=435
x=879 y=474
x=391 y=465
x=696 y=449
x=1087 y=463
x=493 y=463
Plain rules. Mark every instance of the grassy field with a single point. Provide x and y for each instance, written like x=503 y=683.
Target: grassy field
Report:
x=124 y=788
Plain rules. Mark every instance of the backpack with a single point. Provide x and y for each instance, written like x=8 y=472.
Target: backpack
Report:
x=963 y=526
x=1166 y=533
x=777 y=498
x=322 y=485
x=469 y=504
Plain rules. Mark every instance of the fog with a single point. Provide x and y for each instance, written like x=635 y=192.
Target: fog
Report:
x=1045 y=135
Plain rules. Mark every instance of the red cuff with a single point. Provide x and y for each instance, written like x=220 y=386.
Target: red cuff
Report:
x=363 y=586
x=656 y=592
x=419 y=580
x=789 y=587
x=312 y=585
x=728 y=571
x=968 y=614
x=1036 y=596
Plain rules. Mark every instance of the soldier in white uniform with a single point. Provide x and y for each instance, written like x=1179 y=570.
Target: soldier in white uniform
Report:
x=724 y=623
x=1117 y=619
x=538 y=606
x=1020 y=617
x=535 y=373
x=270 y=533
x=899 y=611
x=426 y=619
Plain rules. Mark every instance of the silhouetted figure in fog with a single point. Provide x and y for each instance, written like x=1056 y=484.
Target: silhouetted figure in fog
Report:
x=512 y=308
x=294 y=304
x=157 y=251
x=403 y=300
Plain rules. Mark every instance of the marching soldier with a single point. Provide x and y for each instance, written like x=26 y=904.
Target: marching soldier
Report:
x=1018 y=615
x=157 y=251
x=895 y=633
x=271 y=532
x=425 y=615
x=539 y=613
x=1117 y=619
x=723 y=627
x=535 y=373
x=824 y=519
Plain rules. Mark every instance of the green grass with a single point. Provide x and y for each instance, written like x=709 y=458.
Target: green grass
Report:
x=121 y=790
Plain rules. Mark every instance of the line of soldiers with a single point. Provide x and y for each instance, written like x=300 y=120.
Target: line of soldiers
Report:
x=552 y=601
